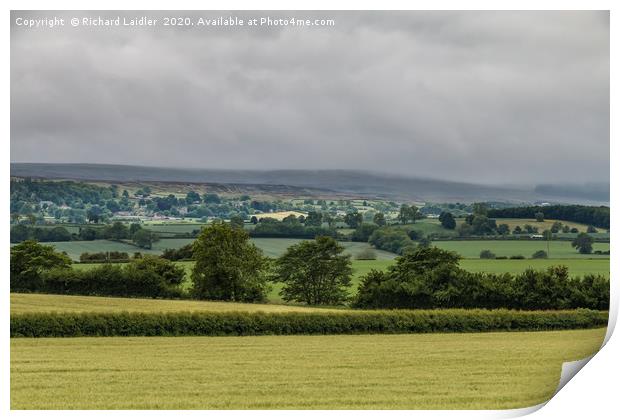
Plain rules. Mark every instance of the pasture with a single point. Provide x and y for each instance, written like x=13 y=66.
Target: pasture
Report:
x=272 y=247
x=558 y=249
x=415 y=371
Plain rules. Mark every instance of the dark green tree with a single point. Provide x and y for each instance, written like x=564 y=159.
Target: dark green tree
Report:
x=29 y=260
x=583 y=243
x=228 y=266
x=315 y=272
x=447 y=220
x=192 y=197
x=539 y=216
x=353 y=219
x=237 y=222
x=314 y=219
x=145 y=238
x=379 y=219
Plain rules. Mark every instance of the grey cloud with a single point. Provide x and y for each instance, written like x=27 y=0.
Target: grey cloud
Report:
x=495 y=97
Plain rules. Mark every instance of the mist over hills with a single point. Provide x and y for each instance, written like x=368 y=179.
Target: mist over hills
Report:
x=346 y=182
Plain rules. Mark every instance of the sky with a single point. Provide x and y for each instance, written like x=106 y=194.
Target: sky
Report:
x=491 y=97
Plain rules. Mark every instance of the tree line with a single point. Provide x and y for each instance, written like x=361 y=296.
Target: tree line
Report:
x=588 y=215
x=230 y=267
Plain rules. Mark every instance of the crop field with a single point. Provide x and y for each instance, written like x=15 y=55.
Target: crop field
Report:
x=428 y=227
x=174 y=228
x=33 y=302
x=545 y=224
x=279 y=215
x=558 y=249
x=414 y=371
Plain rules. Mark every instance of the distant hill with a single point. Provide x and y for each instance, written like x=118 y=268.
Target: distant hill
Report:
x=347 y=182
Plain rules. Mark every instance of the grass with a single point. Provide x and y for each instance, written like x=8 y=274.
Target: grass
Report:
x=417 y=371
x=558 y=249
x=32 y=302
x=272 y=247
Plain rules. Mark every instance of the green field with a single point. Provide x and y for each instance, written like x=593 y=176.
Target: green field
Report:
x=558 y=249
x=33 y=302
x=416 y=371
x=272 y=247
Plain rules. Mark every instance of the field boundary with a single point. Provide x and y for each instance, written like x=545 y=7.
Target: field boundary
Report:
x=261 y=323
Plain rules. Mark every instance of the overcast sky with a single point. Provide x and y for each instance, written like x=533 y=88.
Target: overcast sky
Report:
x=494 y=97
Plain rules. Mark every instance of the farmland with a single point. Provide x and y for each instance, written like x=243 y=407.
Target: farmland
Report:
x=558 y=249
x=32 y=302
x=575 y=267
x=274 y=247
x=421 y=371
x=168 y=351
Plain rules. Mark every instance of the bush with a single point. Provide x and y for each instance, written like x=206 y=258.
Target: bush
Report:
x=426 y=279
x=391 y=239
x=517 y=257
x=539 y=254
x=366 y=254
x=104 y=256
x=290 y=323
x=146 y=277
x=501 y=257
x=487 y=254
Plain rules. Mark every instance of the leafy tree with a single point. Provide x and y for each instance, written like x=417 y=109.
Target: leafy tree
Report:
x=574 y=230
x=424 y=242
x=145 y=238
x=116 y=231
x=391 y=239
x=353 y=219
x=503 y=229
x=133 y=228
x=88 y=234
x=517 y=230
x=211 y=199
x=237 y=222
x=29 y=260
x=447 y=220
x=315 y=272
x=487 y=254
x=539 y=216
x=192 y=197
x=379 y=219
x=314 y=219
x=555 y=227
x=583 y=243
x=539 y=254
x=480 y=209
x=94 y=214
x=407 y=213
x=363 y=232
x=228 y=266
x=153 y=276
x=253 y=220
x=113 y=206
x=591 y=229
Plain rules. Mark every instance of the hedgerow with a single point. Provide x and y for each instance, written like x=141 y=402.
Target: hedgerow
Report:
x=261 y=323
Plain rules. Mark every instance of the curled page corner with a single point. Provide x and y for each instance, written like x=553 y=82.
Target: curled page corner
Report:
x=569 y=370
